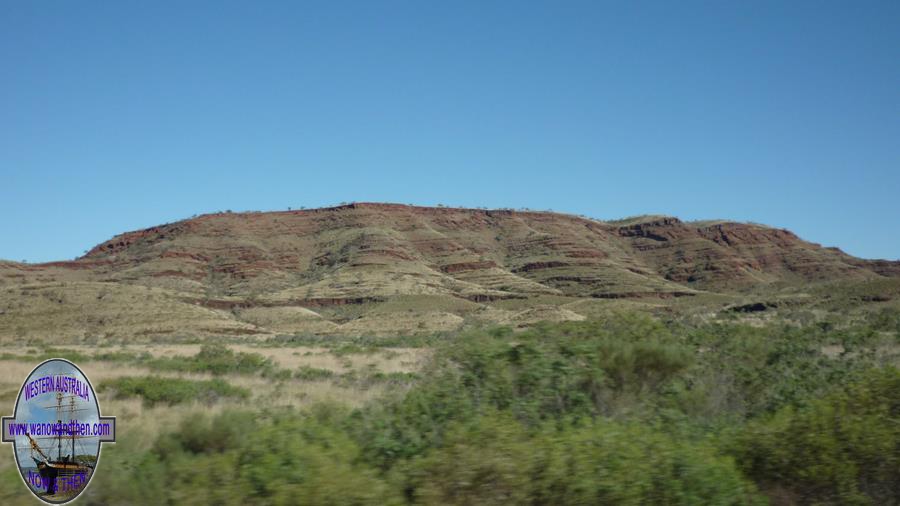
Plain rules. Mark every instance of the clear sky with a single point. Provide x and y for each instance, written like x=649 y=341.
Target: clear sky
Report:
x=121 y=115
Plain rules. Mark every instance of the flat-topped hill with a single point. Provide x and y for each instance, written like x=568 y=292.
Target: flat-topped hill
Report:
x=392 y=268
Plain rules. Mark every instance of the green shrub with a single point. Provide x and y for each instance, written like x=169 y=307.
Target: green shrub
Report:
x=361 y=342
x=12 y=490
x=154 y=389
x=216 y=359
x=394 y=377
x=308 y=373
x=249 y=458
x=842 y=449
x=550 y=373
x=748 y=371
x=494 y=460
x=627 y=410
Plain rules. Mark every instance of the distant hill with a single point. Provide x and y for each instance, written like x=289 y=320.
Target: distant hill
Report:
x=390 y=269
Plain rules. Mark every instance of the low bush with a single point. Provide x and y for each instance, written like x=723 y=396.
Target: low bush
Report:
x=628 y=410
x=248 y=458
x=495 y=460
x=308 y=373
x=155 y=390
x=841 y=449
x=216 y=359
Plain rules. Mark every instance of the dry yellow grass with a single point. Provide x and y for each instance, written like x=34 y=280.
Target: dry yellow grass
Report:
x=388 y=360
x=385 y=360
x=142 y=424
x=62 y=312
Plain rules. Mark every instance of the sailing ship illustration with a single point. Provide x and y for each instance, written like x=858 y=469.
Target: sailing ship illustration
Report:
x=70 y=470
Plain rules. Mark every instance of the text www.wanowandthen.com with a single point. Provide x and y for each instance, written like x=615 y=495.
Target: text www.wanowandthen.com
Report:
x=70 y=428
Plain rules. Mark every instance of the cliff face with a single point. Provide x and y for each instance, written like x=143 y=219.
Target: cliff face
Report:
x=463 y=260
x=728 y=255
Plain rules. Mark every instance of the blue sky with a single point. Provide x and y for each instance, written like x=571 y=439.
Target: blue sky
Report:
x=125 y=115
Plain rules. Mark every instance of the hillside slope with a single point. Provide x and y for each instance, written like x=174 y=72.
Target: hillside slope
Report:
x=394 y=269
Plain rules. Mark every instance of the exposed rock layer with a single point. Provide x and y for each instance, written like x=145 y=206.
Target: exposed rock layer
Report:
x=371 y=254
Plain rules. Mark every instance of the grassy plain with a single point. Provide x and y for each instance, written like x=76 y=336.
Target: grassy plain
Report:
x=780 y=406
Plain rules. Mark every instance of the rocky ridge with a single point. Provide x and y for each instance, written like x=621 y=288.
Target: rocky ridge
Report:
x=344 y=269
